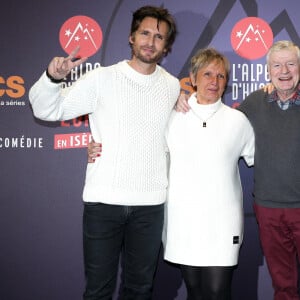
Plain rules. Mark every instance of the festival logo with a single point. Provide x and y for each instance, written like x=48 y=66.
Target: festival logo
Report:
x=81 y=31
x=85 y=32
x=251 y=38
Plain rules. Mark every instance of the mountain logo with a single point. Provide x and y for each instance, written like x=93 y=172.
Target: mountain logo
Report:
x=251 y=38
x=83 y=31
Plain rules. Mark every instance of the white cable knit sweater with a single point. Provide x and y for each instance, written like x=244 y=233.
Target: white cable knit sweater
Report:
x=128 y=114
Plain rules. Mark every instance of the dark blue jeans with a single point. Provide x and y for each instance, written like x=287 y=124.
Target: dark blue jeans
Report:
x=108 y=231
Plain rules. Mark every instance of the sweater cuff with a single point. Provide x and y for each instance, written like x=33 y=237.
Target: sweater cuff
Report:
x=52 y=79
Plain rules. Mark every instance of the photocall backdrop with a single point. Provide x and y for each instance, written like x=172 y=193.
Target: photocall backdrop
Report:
x=43 y=163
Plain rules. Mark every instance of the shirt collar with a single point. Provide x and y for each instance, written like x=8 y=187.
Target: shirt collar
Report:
x=295 y=99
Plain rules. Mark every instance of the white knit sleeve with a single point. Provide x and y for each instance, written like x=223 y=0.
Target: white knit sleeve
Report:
x=50 y=102
x=249 y=146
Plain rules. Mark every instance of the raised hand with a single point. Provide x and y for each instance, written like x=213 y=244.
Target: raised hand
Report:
x=269 y=87
x=60 y=67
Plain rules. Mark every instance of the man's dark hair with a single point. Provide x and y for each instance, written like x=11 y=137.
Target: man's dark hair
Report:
x=159 y=13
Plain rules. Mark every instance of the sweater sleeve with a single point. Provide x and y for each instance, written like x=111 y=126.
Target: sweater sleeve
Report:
x=249 y=146
x=51 y=102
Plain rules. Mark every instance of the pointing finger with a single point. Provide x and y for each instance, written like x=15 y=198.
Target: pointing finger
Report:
x=76 y=60
x=79 y=61
x=73 y=53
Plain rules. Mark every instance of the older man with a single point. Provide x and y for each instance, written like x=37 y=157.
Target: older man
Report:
x=275 y=118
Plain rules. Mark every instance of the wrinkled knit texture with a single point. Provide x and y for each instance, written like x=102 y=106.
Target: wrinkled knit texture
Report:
x=128 y=114
x=277 y=151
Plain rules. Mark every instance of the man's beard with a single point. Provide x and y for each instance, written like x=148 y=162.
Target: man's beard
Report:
x=147 y=59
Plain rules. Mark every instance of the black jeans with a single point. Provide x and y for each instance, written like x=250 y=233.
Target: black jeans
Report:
x=109 y=230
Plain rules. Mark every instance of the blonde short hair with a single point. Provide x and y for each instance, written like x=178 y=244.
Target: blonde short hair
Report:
x=206 y=56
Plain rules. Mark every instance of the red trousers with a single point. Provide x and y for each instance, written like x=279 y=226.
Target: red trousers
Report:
x=279 y=230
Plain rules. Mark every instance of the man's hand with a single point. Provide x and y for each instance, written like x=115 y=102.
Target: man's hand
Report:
x=182 y=103
x=94 y=151
x=268 y=88
x=60 y=67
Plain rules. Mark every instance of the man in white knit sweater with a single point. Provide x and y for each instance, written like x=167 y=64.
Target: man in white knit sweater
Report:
x=128 y=104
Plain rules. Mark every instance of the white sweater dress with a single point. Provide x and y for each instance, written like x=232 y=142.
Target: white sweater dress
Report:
x=128 y=114
x=204 y=211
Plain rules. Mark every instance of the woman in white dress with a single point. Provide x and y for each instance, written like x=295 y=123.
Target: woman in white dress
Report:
x=204 y=212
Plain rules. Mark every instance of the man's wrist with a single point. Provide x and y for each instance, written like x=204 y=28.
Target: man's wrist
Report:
x=52 y=79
